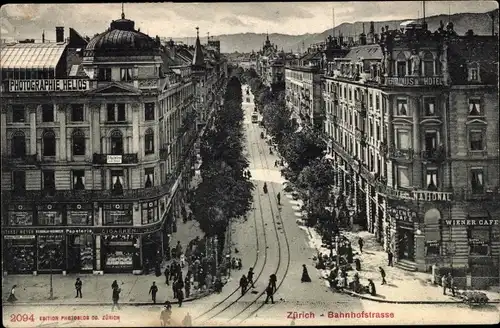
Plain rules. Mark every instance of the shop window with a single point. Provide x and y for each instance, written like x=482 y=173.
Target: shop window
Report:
x=18 y=146
x=20 y=255
x=77 y=113
x=428 y=64
x=149 y=111
x=477 y=181
x=116 y=214
x=431 y=179
x=116 y=142
x=49 y=182
x=479 y=239
x=149 y=142
x=476 y=140
x=81 y=257
x=19 y=181
x=78 y=139
x=403 y=139
x=429 y=106
x=47 y=215
x=149 y=177
x=401 y=65
x=402 y=107
x=126 y=74
x=47 y=113
x=150 y=212
x=49 y=143
x=403 y=177
x=475 y=107
x=119 y=252
x=104 y=74
x=115 y=112
x=18 y=113
x=117 y=182
x=51 y=252
x=78 y=179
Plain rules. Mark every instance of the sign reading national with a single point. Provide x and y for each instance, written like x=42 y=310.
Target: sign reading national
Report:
x=53 y=85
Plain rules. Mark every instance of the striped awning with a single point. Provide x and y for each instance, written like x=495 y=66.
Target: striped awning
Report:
x=36 y=56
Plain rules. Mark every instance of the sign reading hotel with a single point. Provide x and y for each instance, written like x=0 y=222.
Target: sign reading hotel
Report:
x=472 y=222
x=53 y=85
x=420 y=195
x=414 y=81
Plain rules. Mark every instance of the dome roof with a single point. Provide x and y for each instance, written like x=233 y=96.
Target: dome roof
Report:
x=121 y=37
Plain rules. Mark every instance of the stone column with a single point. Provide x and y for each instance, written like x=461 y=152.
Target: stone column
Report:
x=136 y=106
x=33 y=137
x=61 y=113
x=95 y=111
x=3 y=124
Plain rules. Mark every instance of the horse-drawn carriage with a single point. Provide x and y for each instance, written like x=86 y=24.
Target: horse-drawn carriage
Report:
x=473 y=298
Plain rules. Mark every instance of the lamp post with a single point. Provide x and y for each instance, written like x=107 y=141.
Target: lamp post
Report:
x=51 y=257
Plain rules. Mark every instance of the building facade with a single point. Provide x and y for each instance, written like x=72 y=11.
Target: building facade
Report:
x=412 y=132
x=98 y=149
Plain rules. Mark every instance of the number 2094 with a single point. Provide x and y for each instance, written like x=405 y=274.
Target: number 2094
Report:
x=22 y=317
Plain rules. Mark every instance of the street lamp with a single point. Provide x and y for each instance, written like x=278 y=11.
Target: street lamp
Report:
x=51 y=257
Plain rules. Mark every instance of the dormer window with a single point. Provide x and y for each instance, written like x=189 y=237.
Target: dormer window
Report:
x=475 y=107
x=473 y=70
x=126 y=74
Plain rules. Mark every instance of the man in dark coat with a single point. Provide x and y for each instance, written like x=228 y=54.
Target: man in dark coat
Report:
x=167 y=274
x=187 y=286
x=153 y=290
x=116 y=297
x=250 y=277
x=382 y=274
x=269 y=293
x=78 y=287
x=272 y=282
x=360 y=244
x=389 y=258
x=180 y=296
x=243 y=284
x=278 y=196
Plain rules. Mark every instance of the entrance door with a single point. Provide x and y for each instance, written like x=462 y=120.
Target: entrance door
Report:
x=406 y=244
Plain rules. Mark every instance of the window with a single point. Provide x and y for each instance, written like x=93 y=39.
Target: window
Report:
x=117 y=182
x=403 y=177
x=477 y=181
x=402 y=107
x=78 y=180
x=403 y=141
x=473 y=70
x=150 y=212
x=77 y=112
x=476 y=140
x=115 y=112
x=431 y=140
x=18 y=114
x=377 y=102
x=479 y=238
x=47 y=113
x=428 y=64
x=18 y=146
x=49 y=143
x=149 y=177
x=429 y=106
x=49 y=181
x=431 y=179
x=475 y=107
x=401 y=65
x=78 y=143
x=19 y=181
x=149 y=111
x=126 y=74
x=149 y=142
x=116 y=142
x=104 y=74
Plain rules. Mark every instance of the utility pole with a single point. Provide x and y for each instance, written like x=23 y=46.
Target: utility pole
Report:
x=51 y=297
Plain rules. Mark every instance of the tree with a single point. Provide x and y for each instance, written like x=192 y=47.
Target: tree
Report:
x=276 y=118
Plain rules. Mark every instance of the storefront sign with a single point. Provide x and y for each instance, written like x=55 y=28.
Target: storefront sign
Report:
x=403 y=214
x=478 y=242
x=79 y=217
x=472 y=222
x=60 y=85
x=420 y=195
x=20 y=218
x=114 y=159
x=85 y=230
x=432 y=243
x=414 y=81
x=20 y=237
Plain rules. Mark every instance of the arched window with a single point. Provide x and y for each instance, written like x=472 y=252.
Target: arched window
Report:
x=116 y=142
x=149 y=142
x=49 y=143
x=428 y=64
x=18 y=149
x=401 y=64
x=78 y=142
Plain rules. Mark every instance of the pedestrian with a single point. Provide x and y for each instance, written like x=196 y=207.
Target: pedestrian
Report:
x=183 y=260
x=178 y=249
x=180 y=296
x=265 y=188
x=269 y=293
x=305 y=274
x=443 y=283
x=243 y=284
x=233 y=263
x=218 y=285
x=167 y=274
x=272 y=282
x=360 y=243
x=153 y=290
x=12 y=296
x=114 y=285
x=116 y=297
x=278 y=196
x=371 y=287
x=240 y=265
x=78 y=287
x=166 y=313
x=174 y=288
x=382 y=274
x=187 y=286
x=250 y=277
x=451 y=283
x=389 y=258
x=187 y=322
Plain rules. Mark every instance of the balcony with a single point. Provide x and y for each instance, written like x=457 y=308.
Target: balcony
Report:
x=30 y=160
x=401 y=154
x=468 y=194
x=437 y=155
x=101 y=159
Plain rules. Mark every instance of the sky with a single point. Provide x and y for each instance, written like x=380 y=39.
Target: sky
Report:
x=180 y=19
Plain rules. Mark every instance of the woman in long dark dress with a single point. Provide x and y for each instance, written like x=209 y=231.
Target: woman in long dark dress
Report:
x=12 y=296
x=305 y=274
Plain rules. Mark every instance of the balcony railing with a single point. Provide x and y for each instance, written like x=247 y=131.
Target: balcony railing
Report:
x=115 y=159
x=401 y=154
x=434 y=155
x=468 y=194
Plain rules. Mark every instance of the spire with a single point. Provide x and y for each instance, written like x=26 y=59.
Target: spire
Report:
x=123 y=12
x=267 y=37
x=198 y=59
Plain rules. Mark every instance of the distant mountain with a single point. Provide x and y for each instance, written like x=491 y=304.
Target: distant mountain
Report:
x=480 y=23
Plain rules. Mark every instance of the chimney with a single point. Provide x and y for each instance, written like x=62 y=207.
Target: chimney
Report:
x=59 y=34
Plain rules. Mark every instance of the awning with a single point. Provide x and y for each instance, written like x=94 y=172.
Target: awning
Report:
x=31 y=56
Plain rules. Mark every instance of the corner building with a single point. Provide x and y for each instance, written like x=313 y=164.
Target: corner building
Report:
x=413 y=126
x=97 y=148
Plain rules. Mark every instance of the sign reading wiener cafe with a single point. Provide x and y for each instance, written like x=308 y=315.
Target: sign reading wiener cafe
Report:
x=51 y=85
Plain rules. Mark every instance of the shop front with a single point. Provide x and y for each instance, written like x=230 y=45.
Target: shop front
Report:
x=51 y=255
x=404 y=218
x=117 y=214
x=20 y=253
x=120 y=253
x=81 y=250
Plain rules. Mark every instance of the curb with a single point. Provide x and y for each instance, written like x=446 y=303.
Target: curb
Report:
x=407 y=302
